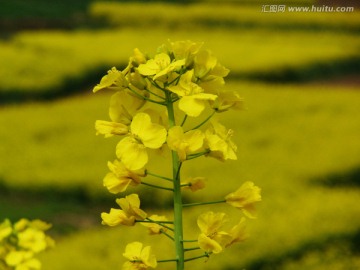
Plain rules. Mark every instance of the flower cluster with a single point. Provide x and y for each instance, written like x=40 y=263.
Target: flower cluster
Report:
x=156 y=104
x=20 y=242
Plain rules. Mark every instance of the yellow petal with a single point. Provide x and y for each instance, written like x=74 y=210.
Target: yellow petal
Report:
x=133 y=251
x=209 y=245
x=151 y=135
x=210 y=222
x=109 y=129
x=132 y=153
x=116 y=217
x=147 y=258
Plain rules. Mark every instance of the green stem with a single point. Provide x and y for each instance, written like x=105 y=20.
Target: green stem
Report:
x=191 y=249
x=202 y=203
x=190 y=241
x=161 y=223
x=169 y=260
x=203 y=122
x=167 y=235
x=184 y=120
x=178 y=224
x=197 y=257
x=156 y=186
x=158 y=176
x=145 y=98
x=192 y=156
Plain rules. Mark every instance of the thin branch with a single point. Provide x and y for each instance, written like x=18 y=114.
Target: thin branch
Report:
x=202 y=203
x=203 y=122
x=158 y=176
x=197 y=257
x=156 y=186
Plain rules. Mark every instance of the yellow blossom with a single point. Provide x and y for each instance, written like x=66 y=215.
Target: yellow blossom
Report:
x=218 y=139
x=227 y=100
x=185 y=50
x=238 y=233
x=193 y=99
x=114 y=79
x=123 y=106
x=117 y=217
x=245 y=198
x=184 y=143
x=194 y=183
x=131 y=150
x=109 y=129
x=119 y=177
x=206 y=66
x=32 y=239
x=5 y=229
x=131 y=205
x=159 y=66
x=211 y=238
x=139 y=257
x=127 y=215
x=22 y=260
x=155 y=228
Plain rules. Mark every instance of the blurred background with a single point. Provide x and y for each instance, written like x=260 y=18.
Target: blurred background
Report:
x=298 y=138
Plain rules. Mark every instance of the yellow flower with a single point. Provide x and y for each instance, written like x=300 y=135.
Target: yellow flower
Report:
x=193 y=99
x=119 y=177
x=5 y=229
x=238 y=233
x=109 y=129
x=218 y=139
x=194 y=183
x=185 y=50
x=184 y=143
x=139 y=257
x=22 y=260
x=130 y=211
x=114 y=79
x=131 y=150
x=245 y=198
x=227 y=100
x=159 y=66
x=32 y=239
x=131 y=205
x=211 y=239
x=206 y=67
x=155 y=228
x=123 y=106
x=117 y=217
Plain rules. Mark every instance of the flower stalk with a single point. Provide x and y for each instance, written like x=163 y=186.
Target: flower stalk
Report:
x=155 y=100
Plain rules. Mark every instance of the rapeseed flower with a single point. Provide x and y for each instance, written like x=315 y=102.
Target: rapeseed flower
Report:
x=218 y=139
x=139 y=257
x=238 y=233
x=184 y=143
x=193 y=99
x=123 y=106
x=185 y=50
x=194 y=183
x=127 y=215
x=115 y=79
x=159 y=66
x=211 y=238
x=244 y=198
x=120 y=177
x=22 y=260
x=131 y=150
x=109 y=129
